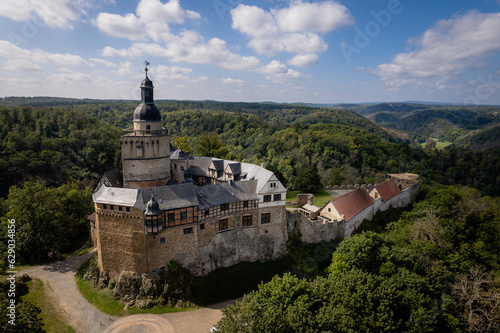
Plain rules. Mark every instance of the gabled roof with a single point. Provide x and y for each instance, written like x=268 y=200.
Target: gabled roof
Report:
x=352 y=203
x=217 y=164
x=115 y=177
x=388 y=189
x=234 y=167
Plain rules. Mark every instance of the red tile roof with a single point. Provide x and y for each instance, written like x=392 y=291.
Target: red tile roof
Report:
x=352 y=203
x=388 y=189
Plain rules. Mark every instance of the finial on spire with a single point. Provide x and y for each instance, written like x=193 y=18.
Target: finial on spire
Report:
x=147 y=64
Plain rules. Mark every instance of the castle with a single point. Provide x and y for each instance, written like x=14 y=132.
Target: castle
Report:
x=207 y=213
x=203 y=212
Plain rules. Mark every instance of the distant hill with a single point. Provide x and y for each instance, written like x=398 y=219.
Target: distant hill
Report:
x=445 y=122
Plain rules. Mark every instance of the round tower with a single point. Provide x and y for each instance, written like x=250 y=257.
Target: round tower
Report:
x=146 y=148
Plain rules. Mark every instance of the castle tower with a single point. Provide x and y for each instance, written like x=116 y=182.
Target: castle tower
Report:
x=146 y=148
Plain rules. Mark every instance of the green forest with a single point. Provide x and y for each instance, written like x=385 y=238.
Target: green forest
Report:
x=433 y=267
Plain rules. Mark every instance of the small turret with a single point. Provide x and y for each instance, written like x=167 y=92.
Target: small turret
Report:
x=153 y=217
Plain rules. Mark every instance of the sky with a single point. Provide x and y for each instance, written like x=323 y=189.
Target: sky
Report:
x=347 y=51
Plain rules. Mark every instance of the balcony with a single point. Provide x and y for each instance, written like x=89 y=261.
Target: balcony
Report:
x=131 y=132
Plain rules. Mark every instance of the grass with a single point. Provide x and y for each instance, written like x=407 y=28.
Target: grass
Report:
x=52 y=319
x=439 y=144
x=18 y=269
x=103 y=299
x=320 y=198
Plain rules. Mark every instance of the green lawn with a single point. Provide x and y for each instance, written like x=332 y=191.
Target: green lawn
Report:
x=439 y=144
x=320 y=198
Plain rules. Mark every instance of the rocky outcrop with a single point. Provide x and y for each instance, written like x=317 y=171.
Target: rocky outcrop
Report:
x=170 y=286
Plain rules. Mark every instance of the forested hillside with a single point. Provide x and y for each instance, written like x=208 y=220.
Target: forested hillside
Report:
x=54 y=146
x=431 y=269
x=446 y=123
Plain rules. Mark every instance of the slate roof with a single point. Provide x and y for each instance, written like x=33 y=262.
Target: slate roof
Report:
x=388 y=189
x=179 y=196
x=218 y=164
x=213 y=195
x=115 y=177
x=235 y=168
x=352 y=203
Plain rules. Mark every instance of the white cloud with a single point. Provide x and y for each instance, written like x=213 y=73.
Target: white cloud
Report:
x=303 y=60
x=128 y=26
x=151 y=20
x=172 y=72
x=446 y=50
x=23 y=66
x=274 y=67
x=293 y=29
x=54 y=13
x=103 y=62
x=235 y=82
x=313 y=17
x=126 y=69
x=288 y=75
x=10 y=51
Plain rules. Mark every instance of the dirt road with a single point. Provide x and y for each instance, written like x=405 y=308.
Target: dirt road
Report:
x=83 y=317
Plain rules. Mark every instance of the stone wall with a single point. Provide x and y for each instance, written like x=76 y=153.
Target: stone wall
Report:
x=199 y=247
x=120 y=240
x=314 y=232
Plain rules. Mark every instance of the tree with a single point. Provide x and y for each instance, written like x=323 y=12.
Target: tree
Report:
x=46 y=219
x=209 y=145
x=478 y=300
x=308 y=180
x=183 y=144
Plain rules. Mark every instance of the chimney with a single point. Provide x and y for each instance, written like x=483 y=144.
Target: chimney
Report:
x=263 y=165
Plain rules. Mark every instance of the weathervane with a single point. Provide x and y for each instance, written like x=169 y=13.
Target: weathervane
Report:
x=147 y=64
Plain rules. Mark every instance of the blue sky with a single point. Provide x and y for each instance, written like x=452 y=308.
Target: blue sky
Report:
x=346 y=51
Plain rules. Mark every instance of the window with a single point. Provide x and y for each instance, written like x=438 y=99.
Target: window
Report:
x=245 y=204
x=267 y=198
x=202 y=226
x=265 y=218
x=184 y=216
x=207 y=212
x=171 y=218
x=148 y=127
x=120 y=208
x=153 y=225
x=246 y=221
x=182 y=168
x=175 y=166
x=188 y=231
x=111 y=207
x=277 y=197
x=104 y=206
x=272 y=185
x=329 y=210
x=162 y=240
x=224 y=207
x=127 y=209
x=223 y=224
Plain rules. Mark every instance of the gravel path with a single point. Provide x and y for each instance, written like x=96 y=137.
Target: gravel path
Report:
x=59 y=277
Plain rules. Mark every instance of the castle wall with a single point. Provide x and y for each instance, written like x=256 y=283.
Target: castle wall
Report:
x=314 y=232
x=120 y=240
